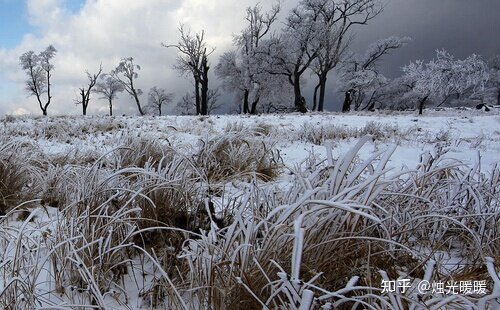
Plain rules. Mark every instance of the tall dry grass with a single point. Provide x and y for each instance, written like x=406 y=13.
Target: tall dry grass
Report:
x=151 y=225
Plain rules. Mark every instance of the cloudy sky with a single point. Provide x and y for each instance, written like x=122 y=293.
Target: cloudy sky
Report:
x=89 y=32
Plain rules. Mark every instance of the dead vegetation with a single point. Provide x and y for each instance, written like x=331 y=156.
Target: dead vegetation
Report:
x=237 y=156
x=211 y=226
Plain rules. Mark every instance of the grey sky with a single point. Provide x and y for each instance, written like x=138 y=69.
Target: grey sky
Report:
x=107 y=30
x=462 y=27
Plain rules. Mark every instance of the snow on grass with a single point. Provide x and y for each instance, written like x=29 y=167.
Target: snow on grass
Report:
x=241 y=212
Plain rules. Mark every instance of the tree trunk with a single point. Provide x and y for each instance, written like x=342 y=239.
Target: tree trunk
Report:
x=322 y=90
x=49 y=96
x=110 y=107
x=159 y=110
x=204 y=86
x=40 y=103
x=82 y=94
x=315 y=97
x=136 y=97
x=421 y=105
x=85 y=104
x=204 y=98
x=346 y=107
x=370 y=106
x=245 y=101
x=299 y=102
x=498 y=97
x=197 y=95
x=358 y=99
x=253 y=109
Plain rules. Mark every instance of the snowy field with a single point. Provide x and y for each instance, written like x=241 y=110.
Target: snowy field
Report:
x=249 y=212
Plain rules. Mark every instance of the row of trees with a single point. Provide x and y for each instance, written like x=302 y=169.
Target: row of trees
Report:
x=39 y=69
x=315 y=39
x=441 y=80
x=266 y=67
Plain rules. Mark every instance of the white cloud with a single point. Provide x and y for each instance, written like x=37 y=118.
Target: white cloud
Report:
x=104 y=31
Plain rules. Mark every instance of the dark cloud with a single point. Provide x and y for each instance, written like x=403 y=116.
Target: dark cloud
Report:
x=462 y=27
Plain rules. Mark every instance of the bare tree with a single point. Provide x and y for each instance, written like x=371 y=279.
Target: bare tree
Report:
x=85 y=91
x=292 y=53
x=213 y=103
x=241 y=70
x=230 y=71
x=335 y=20
x=186 y=106
x=39 y=70
x=109 y=88
x=125 y=73
x=361 y=75
x=193 y=58
x=158 y=97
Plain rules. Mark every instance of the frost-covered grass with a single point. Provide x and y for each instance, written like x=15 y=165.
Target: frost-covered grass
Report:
x=278 y=211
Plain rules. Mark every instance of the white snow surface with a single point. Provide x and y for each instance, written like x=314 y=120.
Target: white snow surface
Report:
x=468 y=136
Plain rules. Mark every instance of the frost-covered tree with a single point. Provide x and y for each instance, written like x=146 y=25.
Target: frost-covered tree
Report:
x=315 y=36
x=231 y=72
x=394 y=94
x=361 y=78
x=157 y=98
x=39 y=70
x=187 y=105
x=193 y=59
x=444 y=76
x=242 y=70
x=333 y=28
x=213 y=100
x=84 y=92
x=292 y=53
x=109 y=88
x=126 y=73
x=362 y=87
x=495 y=77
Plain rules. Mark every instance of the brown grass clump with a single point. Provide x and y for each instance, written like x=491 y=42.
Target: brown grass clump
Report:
x=164 y=207
x=260 y=129
x=171 y=201
x=318 y=134
x=12 y=180
x=15 y=175
x=136 y=151
x=236 y=156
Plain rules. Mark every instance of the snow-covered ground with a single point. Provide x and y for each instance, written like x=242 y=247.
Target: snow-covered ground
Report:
x=83 y=147
x=466 y=135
